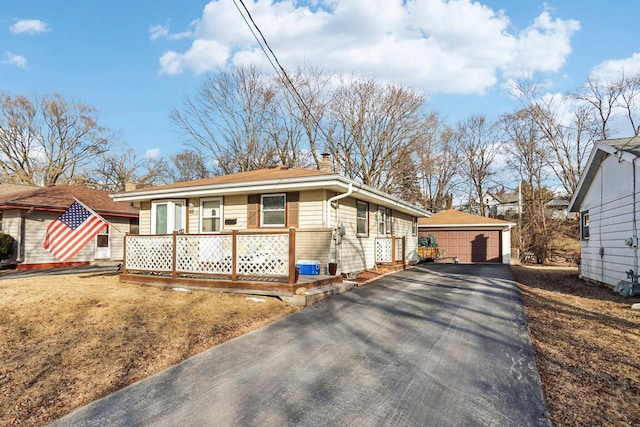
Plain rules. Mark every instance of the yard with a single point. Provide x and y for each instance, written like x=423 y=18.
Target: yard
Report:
x=587 y=344
x=67 y=340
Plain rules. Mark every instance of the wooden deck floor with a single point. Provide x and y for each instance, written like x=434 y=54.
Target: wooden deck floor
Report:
x=254 y=287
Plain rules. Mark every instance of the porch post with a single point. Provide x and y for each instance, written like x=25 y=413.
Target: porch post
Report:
x=124 y=253
x=292 y=256
x=393 y=250
x=174 y=250
x=234 y=255
x=404 y=249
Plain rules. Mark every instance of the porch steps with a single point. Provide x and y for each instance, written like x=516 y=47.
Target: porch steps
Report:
x=319 y=293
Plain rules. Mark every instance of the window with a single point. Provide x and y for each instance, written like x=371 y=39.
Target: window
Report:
x=1 y=215
x=363 y=218
x=273 y=212
x=584 y=222
x=167 y=216
x=384 y=221
x=414 y=226
x=211 y=215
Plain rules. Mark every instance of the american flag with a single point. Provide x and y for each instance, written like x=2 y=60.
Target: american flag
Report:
x=72 y=231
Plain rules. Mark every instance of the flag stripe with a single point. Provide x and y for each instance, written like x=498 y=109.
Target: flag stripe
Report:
x=71 y=232
x=74 y=243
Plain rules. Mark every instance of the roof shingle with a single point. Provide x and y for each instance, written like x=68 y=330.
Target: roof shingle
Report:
x=60 y=197
x=453 y=217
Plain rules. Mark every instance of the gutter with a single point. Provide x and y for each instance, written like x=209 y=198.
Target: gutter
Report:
x=335 y=198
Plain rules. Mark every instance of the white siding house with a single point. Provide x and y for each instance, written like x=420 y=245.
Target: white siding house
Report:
x=608 y=202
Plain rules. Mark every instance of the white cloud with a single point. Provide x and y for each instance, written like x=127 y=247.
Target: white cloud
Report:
x=29 y=26
x=613 y=69
x=152 y=153
x=435 y=45
x=162 y=31
x=17 y=60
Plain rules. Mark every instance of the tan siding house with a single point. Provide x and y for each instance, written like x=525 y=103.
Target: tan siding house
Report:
x=336 y=220
x=27 y=214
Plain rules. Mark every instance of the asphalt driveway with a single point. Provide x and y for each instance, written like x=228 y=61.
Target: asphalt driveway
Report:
x=443 y=345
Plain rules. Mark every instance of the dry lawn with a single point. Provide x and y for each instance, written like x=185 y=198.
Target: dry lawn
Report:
x=68 y=340
x=587 y=344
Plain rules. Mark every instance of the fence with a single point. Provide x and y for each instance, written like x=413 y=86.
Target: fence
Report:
x=233 y=256
x=390 y=250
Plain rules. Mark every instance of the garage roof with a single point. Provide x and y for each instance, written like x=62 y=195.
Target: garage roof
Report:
x=453 y=218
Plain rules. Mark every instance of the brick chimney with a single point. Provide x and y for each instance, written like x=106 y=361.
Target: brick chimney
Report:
x=130 y=186
x=325 y=164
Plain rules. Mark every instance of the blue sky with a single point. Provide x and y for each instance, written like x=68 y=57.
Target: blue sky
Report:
x=136 y=60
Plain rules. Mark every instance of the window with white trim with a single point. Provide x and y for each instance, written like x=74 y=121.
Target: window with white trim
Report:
x=211 y=215
x=363 y=218
x=414 y=226
x=167 y=216
x=273 y=210
x=584 y=225
x=384 y=221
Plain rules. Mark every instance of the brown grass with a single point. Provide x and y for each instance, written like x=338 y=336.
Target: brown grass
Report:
x=587 y=344
x=68 y=340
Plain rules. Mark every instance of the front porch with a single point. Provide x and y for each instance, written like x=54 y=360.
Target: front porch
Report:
x=240 y=262
x=259 y=263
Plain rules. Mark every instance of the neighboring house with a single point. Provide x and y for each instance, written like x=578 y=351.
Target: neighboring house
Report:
x=557 y=208
x=336 y=220
x=607 y=200
x=505 y=205
x=469 y=238
x=25 y=215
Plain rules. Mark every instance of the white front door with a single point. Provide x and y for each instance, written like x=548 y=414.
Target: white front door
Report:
x=103 y=247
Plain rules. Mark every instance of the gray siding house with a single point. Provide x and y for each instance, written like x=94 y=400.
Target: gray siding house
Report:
x=607 y=200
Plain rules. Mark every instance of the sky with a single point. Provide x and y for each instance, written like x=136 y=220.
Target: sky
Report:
x=137 y=60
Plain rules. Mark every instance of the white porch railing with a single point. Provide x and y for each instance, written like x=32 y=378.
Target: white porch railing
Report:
x=390 y=250
x=239 y=255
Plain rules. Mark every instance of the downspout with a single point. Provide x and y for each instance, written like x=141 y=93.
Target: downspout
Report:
x=335 y=225
x=333 y=199
x=22 y=233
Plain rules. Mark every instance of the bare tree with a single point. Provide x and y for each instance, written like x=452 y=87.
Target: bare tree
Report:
x=570 y=137
x=439 y=164
x=296 y=116
x=115 y=170
x=607 y=100
x=47 y=139
x=226 y=120
x=187 y=165
x=374 y=127
x=527 y=156
x=479 y=144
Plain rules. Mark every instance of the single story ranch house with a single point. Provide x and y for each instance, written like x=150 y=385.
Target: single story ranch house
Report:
x=255 y=227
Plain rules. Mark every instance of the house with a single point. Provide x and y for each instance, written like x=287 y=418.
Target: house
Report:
x=25 y=215
x=469 y=238
x=316 y=215
x=606 y=199
x=557 y=208
x=503 y=205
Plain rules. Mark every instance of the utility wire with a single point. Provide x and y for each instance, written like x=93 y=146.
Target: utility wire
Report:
x=279 y=69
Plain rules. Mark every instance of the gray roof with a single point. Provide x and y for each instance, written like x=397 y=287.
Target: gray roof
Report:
x=630 y=145
x=626 y=149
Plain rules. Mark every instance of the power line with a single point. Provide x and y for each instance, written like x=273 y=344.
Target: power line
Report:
x=279 y=69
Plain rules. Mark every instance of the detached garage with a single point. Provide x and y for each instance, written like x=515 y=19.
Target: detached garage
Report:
x=469 y=238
